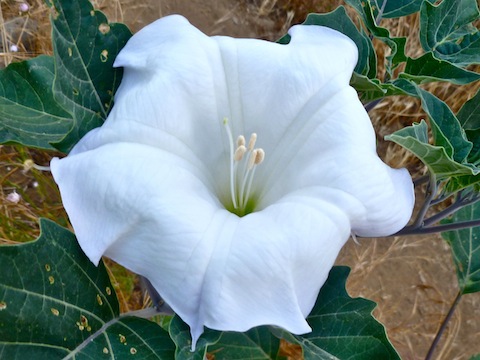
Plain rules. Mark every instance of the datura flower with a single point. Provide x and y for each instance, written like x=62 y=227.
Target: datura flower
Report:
x=230 y=172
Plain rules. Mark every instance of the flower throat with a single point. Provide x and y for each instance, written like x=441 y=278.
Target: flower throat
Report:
x=244 y=159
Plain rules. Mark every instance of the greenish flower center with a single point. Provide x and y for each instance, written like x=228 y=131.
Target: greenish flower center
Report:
x=244 y=159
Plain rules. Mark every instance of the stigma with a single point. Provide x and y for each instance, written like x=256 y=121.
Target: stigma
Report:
x=243 y=162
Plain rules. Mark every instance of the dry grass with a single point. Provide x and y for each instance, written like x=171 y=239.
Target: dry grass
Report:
x=412 y=278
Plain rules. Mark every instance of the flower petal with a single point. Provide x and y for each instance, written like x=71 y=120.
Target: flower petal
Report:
x=179 y=85
x=214 y=268
x=335 y=147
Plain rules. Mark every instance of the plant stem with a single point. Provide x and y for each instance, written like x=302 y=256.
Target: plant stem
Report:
x=421 y=180
x=443 y=326
x=457 y=205
x=371 y=105
x=431 y=192
x=157 y=300
x=437 y=229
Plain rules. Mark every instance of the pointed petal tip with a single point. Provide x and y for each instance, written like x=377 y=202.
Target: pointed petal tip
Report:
x=138 y=49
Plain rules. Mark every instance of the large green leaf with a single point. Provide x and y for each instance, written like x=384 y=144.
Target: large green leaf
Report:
x=465 y=246
x=29 y=114
x=180 y=334
x=415 y=139
x=469 y=114
x=446 y=128
x=447 y=30
x=427 y=68
x=55 y=303
x=469 y=118
x=255 y=344
x=398 y=8
x=85 y=47
x=343 y=327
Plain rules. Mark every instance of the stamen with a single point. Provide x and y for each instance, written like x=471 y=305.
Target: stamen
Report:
x=232 y=178
x=241 y=180
x=251 y=159
x=29 y=164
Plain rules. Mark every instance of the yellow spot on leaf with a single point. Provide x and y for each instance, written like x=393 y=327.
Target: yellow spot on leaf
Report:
x=70 y=53
x=108 y=291
x=104 y=28
x=55 y=311
x=51 y=280
x=47 y=267
x=122 y=339
x=105 y=350
x=133 y=351
x=3 y=305
x=104 y=56
x=99 y=300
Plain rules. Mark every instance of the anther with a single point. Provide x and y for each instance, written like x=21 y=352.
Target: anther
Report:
x=243 y=161
x=241 y=150
x=251 y=159
x=241 y=141
x=252 y=141
x=259 y=156
x=29 y=164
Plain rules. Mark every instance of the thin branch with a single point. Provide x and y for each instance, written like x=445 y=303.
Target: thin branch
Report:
x=443 y=326
x=421 y=180
x=457 y=205
x=431 y=192
x=157 y=300
x=371 y=105
x=439 y=228
x=379 y=17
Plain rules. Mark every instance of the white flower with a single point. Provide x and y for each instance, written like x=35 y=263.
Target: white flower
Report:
x=153 y=190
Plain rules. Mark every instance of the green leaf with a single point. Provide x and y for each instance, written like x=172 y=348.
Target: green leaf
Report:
x=469 y=118
x=446 y=128
x=397 y=45
x=85 y=47
x=255 y=344
x=447 y=30
x=29 y=115
x=180 y=334
x=427 y=68
x=52 y=299
x=399 y=8
x=340 y=21
x=342 y=327
x=368 y=89
x=415 y=139
x=372 y=89
x=465 y=246
x=469 y=114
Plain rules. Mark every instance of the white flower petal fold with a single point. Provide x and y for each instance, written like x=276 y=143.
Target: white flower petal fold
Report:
x=149 y=188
